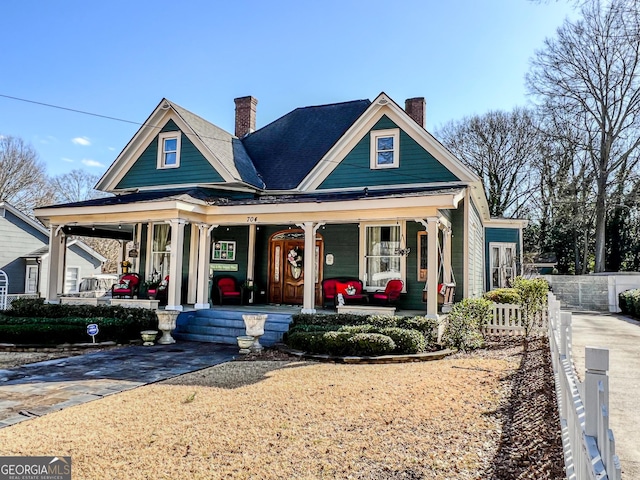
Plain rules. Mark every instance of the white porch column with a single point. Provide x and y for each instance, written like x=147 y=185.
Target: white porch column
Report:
x=251 y=258
x=193 y=265
x=310 y=229
x=432 y=267
x=175 y=267
x=204 y=255
x=57 y=253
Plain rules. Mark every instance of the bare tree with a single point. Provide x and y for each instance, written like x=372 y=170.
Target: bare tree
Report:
x=502 y=149
x=75 y=186
x=588 y=78
x=23 y=181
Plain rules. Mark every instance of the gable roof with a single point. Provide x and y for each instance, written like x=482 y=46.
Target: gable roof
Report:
x=286 y=150
x=223 y=151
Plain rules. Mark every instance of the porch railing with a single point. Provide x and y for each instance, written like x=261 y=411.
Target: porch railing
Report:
x=588 y=442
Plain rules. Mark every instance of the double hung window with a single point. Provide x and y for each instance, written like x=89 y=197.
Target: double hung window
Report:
x=385 y=151
x=169 y=150
x=382 y=257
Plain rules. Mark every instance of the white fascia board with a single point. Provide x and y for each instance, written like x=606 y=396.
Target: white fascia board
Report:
x=28 y=220
x=384 y=105
x=143 y=138
x=506 y=223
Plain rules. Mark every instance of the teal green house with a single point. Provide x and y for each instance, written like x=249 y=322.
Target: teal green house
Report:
x=355 y=190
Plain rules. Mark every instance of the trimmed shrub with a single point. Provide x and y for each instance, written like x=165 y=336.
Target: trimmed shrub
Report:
x=407 y=341
x=465 y=323
x=427 y=326
x=503 y=295
x=358 y=329
x=337 y=343
x=371 y=344
x=306 y=341
x=629 y=302
x=383 y=321
x=328 y=319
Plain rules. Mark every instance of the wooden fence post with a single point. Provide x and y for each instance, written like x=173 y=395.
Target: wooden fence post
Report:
x=565 y=323
x=596 y=362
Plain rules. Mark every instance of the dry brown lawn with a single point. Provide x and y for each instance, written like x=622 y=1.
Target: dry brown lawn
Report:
x=288 y=419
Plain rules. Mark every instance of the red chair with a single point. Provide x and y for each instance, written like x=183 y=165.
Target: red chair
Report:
x=391 y=293
x=127 y=286
x=228 y=289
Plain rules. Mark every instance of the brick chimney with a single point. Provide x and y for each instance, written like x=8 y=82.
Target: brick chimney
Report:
x=416 y=109
x=245 y=115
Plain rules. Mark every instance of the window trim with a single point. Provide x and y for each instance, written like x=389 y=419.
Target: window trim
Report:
x=26 y=278
x=68 y=270
x=502 y=247
x=375 y=134
x=363 y=226
x=161 y=152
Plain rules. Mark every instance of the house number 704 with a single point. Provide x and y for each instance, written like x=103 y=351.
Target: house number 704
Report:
x=252 y=219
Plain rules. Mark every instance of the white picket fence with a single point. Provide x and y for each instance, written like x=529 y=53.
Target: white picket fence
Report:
x=588 y=442
x=507 y=320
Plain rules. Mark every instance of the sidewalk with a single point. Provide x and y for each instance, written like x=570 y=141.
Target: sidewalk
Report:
x=621 y=336
x=39 y=388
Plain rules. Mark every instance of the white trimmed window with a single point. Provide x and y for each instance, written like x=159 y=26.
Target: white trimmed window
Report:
x=31 y=281
x=385 y=148
x=503 y=264
x=71 y=280
x=382 y=260
x=169 y=150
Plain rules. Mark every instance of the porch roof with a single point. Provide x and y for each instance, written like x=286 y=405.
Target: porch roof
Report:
x=205 y=196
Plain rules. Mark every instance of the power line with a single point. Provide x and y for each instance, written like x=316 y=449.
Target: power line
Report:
x=70 y=109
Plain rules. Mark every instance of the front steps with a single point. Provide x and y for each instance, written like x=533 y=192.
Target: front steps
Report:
x=223 y=326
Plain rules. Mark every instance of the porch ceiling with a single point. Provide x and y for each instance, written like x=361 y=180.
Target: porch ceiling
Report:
x=116 y=232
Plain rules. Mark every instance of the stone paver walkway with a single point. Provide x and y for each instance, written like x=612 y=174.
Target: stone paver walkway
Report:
x=39 y=388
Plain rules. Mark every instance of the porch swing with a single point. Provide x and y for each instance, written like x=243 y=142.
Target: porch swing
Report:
x=446 y=290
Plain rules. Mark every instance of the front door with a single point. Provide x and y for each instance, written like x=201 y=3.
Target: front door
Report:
x=286 y=267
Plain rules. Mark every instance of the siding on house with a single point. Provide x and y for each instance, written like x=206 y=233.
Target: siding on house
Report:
x=194 y=167
x=457 y=249
x=476 y=253
x=416 y=165
x=17 y=238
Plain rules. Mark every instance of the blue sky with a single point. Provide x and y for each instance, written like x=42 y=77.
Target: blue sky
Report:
x=120 y=58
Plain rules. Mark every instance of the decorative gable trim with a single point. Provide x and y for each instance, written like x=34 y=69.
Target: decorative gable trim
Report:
x=148 y=133
x=384 y=105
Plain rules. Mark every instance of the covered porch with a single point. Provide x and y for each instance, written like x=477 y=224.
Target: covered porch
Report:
x=181 y=236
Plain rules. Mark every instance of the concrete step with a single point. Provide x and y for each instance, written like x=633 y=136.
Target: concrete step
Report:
x=224 y=326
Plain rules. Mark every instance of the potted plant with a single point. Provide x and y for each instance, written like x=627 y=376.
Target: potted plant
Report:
x=149 y=289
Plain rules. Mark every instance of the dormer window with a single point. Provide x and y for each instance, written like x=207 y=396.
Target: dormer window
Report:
x=169 y=150
x=385 y=148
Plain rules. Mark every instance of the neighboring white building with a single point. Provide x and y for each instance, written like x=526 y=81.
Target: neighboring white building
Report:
x=24 y=252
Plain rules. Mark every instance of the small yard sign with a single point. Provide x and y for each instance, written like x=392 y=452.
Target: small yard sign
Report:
x=92 y=329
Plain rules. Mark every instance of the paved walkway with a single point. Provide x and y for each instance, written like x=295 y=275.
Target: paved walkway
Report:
x=39 y=388
x=622 y=337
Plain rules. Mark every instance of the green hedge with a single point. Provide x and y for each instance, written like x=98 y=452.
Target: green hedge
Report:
x=629 y=302
x=334 y=334
x=503 y=295
x=466 y=322
x=31 y=321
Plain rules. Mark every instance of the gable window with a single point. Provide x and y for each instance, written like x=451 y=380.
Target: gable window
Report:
x=169 y=150
x=503 y=264
x=382 y=259
x=385 y=152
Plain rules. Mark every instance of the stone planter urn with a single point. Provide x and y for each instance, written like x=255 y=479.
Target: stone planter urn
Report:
x=255 y=328
x=245 y=342
x=148 y=337
x=167 y=323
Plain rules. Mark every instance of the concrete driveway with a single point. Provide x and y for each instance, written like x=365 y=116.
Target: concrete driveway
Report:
x=621 y=336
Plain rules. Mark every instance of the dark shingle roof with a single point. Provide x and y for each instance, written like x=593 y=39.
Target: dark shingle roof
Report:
x=286 y=150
